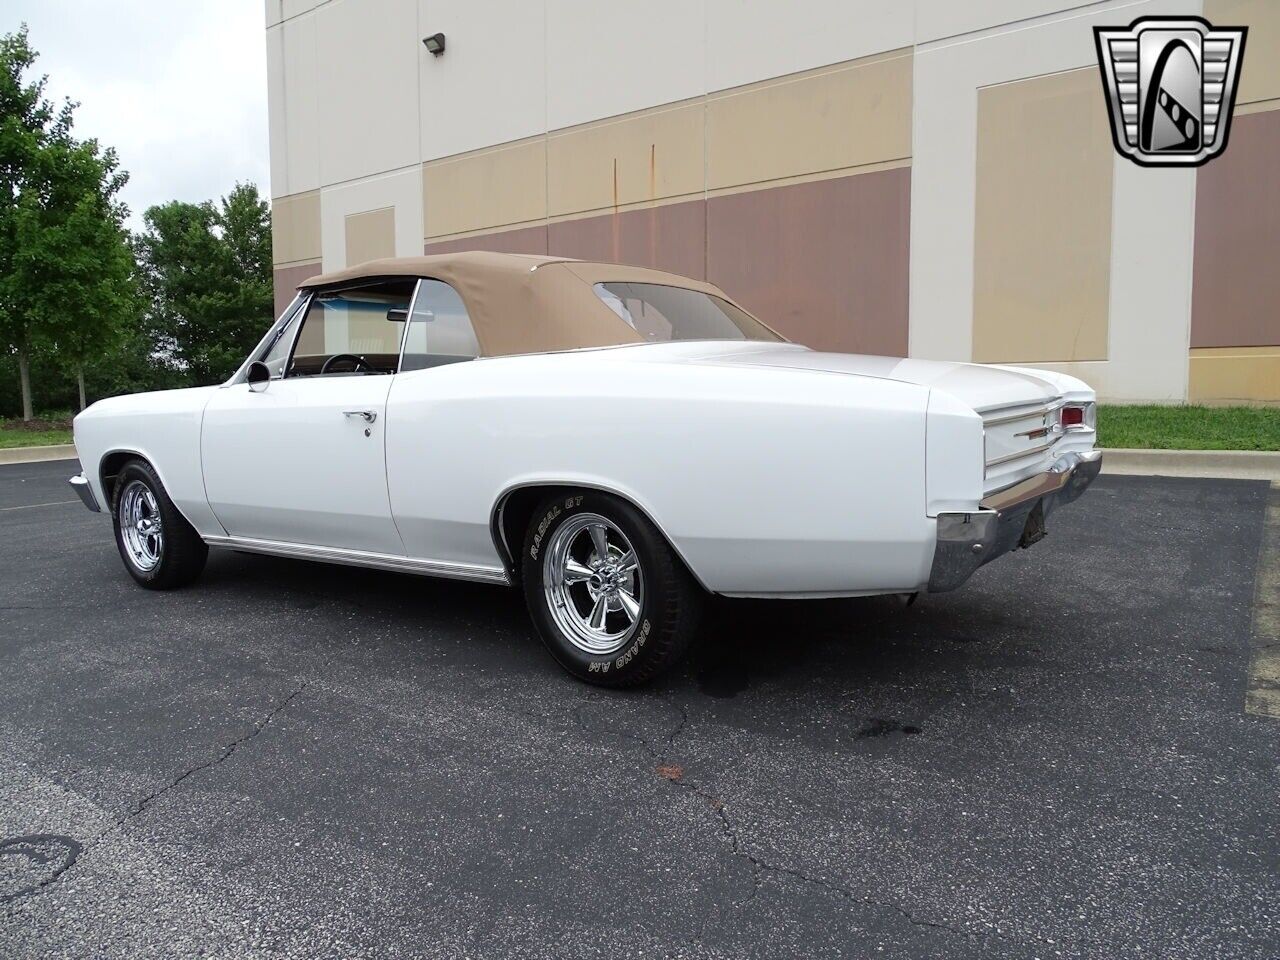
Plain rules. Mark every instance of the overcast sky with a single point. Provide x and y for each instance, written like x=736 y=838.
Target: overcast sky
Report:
x=178 y=87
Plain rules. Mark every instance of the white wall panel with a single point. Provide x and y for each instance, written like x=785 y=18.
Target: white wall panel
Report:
x=490 y=85
x=606 y=58
x=750 y=40
x=938 y=19
x=367 y=59
x=292 y=106
x=1147 y=337
x=277 y=131
x=401 y=190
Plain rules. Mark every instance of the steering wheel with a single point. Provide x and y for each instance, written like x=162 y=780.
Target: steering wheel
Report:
x=356 y=362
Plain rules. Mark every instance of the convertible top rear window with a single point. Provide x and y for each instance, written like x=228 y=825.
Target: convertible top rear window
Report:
x=662 y=313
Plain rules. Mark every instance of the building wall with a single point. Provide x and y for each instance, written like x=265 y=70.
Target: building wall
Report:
x=882 y=176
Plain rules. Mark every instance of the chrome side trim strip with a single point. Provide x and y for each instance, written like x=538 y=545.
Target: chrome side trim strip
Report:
x=363 y=558
x=1013 y=417
x=996 y=408
x=1020 y=454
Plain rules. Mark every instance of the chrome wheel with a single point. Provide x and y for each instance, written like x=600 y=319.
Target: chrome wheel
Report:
x=593 y=583
x=140 y=526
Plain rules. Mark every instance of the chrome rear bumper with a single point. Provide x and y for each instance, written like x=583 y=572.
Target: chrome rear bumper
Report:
x=85 y=492
x=1008 y=519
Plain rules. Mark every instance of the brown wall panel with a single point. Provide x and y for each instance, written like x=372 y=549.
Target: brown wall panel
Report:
x=824 y=262
x=671 y=237
x=1235 y=298
x=286 y=280
x=521 y=240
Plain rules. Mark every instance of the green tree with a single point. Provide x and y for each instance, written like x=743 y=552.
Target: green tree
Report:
x=77 y=269
x=27 y=122
x=206 y=272
x=66 y=273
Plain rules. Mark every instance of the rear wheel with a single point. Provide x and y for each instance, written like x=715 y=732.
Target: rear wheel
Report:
x=159 y=548
x=611 y=600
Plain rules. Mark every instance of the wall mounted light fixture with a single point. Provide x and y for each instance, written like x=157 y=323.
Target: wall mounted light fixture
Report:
x=434 y=43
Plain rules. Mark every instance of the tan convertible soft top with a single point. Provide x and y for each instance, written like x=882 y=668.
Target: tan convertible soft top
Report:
x=520 y=303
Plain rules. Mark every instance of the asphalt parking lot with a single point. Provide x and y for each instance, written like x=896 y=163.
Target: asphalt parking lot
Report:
x=290 y=759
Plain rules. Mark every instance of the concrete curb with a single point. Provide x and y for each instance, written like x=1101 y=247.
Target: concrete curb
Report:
x=55 y=451
x=1218 y=464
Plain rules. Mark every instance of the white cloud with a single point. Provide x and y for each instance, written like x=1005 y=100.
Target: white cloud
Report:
x=178 y=88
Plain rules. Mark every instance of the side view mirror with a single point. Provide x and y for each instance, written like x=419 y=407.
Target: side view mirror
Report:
x=257 y=376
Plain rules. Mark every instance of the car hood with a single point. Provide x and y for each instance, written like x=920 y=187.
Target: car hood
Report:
x=980 y=386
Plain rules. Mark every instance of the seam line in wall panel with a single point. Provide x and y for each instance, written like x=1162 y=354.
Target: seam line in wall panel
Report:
x=1027 y=23
x=304 y=13
x=368 y=177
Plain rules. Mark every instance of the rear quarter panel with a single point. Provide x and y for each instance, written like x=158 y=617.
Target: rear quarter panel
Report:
x=767 y=482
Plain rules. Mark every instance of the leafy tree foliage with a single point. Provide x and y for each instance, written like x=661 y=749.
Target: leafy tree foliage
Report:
x=207 y=275
x=67 y=281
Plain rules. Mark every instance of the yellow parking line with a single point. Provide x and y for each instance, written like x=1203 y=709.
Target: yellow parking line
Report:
x=30 y=506
x=1263 y=694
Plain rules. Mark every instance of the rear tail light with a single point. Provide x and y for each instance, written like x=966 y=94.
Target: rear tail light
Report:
x=1077 y=416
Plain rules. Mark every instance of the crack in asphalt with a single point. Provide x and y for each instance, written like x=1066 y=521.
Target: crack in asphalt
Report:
x=140 y=806
x=759 y=866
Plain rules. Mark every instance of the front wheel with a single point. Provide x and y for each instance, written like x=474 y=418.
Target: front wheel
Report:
x=159 y=548
x=611 y=600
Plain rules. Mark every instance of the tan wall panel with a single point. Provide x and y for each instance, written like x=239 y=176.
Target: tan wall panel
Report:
x=655 y=155
x=1260 y=78
x=1042 y=232
x=371 y=235
x=285 y=280
x=490 y=188
x=295 y=227
x=844 y=116
x=1235 y=375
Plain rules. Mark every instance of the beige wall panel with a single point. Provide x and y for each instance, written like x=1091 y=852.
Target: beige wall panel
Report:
x=286 y=279
x=1235 y=375
x=651 y=156
x=1042 y=231
x=371 y=235
x=844 y=116
x=491 y=188
x=1260 y=78
x=295 y=227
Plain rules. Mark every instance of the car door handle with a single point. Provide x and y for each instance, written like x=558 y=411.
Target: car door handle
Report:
x=368 y=416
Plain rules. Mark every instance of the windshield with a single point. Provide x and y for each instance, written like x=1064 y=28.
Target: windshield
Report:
x=660 y=313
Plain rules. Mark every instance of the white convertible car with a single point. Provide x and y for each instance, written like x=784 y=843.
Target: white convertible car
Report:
x=618 y=441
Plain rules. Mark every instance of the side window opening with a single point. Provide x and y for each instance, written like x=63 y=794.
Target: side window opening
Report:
x=440 y=330
x=348 y=332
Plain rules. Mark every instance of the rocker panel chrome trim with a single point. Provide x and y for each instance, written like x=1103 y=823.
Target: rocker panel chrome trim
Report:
x=361 y=558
